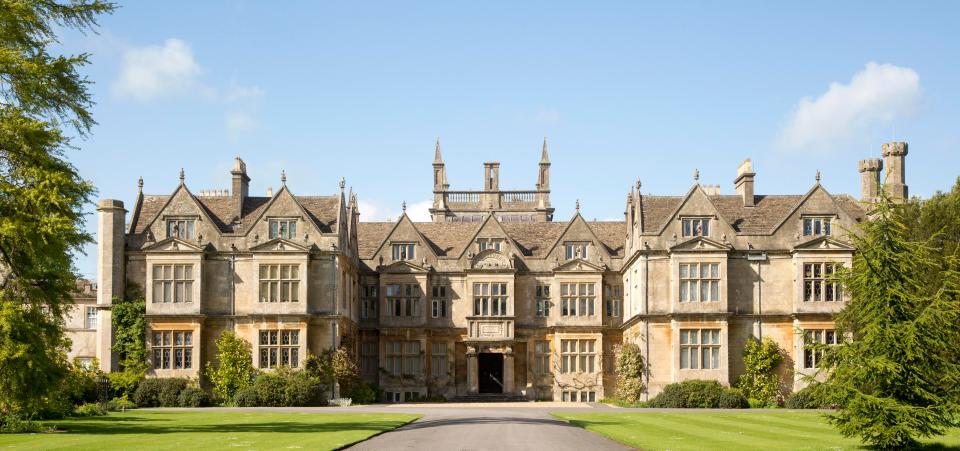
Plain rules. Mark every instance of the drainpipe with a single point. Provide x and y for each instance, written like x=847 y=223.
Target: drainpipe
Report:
x=233 y=278
x=646 y=323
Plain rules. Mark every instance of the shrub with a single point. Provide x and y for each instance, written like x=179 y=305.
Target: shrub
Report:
x=699 y=394
x=89 y=410
x=630 y=368
x=271 y=388
x=761 y=381
x=13 y=424
x=124 y=383
x=159 y=392
x=120 y=404
x=301 y=390
x=235 y=368
x=246 y=397
x=803 y=399
x=170 y=391
x=365 y=393
x=193 y=397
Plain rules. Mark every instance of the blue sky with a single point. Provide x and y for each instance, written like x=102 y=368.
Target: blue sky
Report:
x=621 y=91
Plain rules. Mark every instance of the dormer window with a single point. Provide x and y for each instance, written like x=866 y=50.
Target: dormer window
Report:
x=490 y=243
x=180 y=228
x=816 y=226
x=283 y=228
x=403 y=251
x=576 y=250
x=696 y=227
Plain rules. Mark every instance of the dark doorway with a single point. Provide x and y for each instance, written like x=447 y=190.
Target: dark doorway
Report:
x=490 y=369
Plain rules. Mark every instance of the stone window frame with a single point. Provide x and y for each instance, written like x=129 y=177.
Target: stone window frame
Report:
x=816 y=336
x=289 y=349
x=572 y=301
x=289 y=285
x=188 y=221
x=88 y=317
x=689 y=226
x=404 y=355
x=491 y=303
x=369 y=301
x=187 y=284
x=613 y=299
x=438 y=359
x=541 y=357
x=440 y=300
x=570 y=249
x=403 y=251
x=578 y=356
x=494 y=243
x=283 y=227
x=369 y=361
x=404 y=303
x=824 y=281
x=688 y=347
x=571 y=396
x=542 y=301
x=164 y=355
x=816 y=225
x=697 y=279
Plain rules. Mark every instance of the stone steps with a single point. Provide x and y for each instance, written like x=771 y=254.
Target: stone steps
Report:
x=489 y=397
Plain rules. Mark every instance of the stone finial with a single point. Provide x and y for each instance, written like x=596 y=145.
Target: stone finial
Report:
x=696 y=175
x=140 y=184
x=283 y=177
x=638 y=183
x=898 y=148
x=543 y=155
x=182 y=176
x=436 y=155
x=578 y=205
x=343 y=183
x=817 y=177
x=404 y=206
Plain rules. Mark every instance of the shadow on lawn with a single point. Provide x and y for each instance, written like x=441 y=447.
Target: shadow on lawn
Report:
x=920 y=447
x=135 y=425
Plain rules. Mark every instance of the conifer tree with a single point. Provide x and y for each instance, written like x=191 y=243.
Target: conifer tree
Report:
x=43 y=101
x=892 y=376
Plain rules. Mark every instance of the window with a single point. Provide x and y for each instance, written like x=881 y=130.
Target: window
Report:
x=819 y=283
x=816 y=226
x=576 y=299
x=279 y=348
x=403 y=251
x=585 y=396
x=614 y=298
x=699 y=349
x=368 y=358
x=543 y=301
x=283 y=228
x=541 y=357
x=490 y=243
x=403 y=357
x=438 y=305
x=279 y=283
x=696 y=226
x=576 y=250
x=489 y=299
x=578 y=356
x=180 y=228
x=813 y=341
x=368 y=308
x=172 y=349
x=699 y=282
x=91 y=317
x=172 y=283
x=403 y=300
x=438 y=359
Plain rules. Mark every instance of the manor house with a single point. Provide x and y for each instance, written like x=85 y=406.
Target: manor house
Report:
x=494 y=297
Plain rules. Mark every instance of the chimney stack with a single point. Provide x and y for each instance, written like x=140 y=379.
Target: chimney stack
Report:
x=744 y=182
x=870 y=179
x=241 y=186
x=491 y=176
x=894 y=154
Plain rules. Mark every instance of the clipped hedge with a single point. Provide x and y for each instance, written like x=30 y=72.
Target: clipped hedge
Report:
x=803 y=399
x=160 y=392
x=283 y=387
x=699 y=394
x=193 y=397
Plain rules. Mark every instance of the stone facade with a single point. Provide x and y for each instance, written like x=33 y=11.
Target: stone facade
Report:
x=492 y=296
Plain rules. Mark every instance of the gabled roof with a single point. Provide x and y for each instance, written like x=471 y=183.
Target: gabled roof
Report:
x=370 y=236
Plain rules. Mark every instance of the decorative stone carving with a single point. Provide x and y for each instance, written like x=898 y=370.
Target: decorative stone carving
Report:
x=491 y=260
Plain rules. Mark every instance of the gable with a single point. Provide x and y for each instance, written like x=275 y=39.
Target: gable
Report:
x=403 y=267
x=698 y=204
x=578 y=265
x=173 y=245
x=817 y=202
x=490 y=228
x=280 y=245
x=490 y=259
x=823 y=243
x=405 y=231
x=578 y=231
x=182 y=204
x=701 y=244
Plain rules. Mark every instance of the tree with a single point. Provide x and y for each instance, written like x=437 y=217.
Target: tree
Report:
x=235 y=369
x=760 y=381
x=129 y=334
x=43 y=98
x=935 y=219
x=334 y=366
x=630 y=368
x=892 y=377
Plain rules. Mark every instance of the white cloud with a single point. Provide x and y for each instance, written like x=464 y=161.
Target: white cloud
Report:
x=236 y=92
x=875 y=95
x=371 y=210
x=238 y=122
x=155 y=71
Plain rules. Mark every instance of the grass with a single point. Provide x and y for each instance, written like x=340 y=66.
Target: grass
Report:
x=727 y=430
x=198 y=429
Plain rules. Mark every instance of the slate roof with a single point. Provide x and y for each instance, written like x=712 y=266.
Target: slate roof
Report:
x=322 y=210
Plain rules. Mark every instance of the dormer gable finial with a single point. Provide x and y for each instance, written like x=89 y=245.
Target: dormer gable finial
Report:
x=404 y=206
x=817 y=177
x=140 y=184
x=343 y=183
x=283 y=177
x=577 y=205
x=638 y=183
x=182 y=177
x=696 y=175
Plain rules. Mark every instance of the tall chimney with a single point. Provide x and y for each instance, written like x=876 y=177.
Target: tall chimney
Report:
x=240 y=188
x=491 y=176
x=870 y=179
x=111 y=243
x=893 y=154
x=744 y=182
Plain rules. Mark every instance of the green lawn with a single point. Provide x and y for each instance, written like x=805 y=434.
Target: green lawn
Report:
x=725 y=430
x=199 y=429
